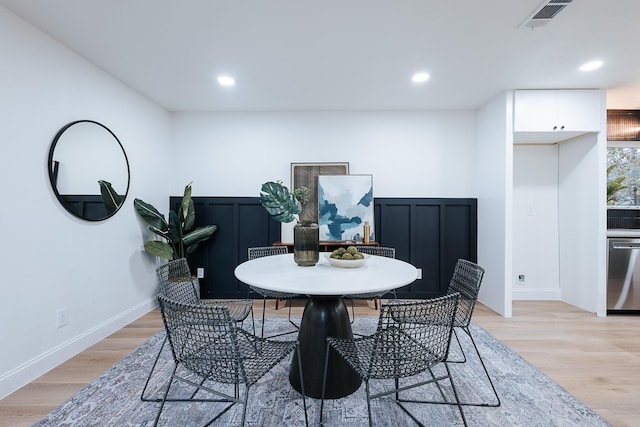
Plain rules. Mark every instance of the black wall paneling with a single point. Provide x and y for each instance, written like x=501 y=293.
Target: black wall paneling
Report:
x=85 y=206
x=242 y=222
x=430 y=233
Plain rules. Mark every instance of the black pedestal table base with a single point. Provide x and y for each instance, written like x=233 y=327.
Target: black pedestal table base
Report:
x=323 y=317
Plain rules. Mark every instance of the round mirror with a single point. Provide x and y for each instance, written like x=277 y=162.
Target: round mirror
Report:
x=88 y=170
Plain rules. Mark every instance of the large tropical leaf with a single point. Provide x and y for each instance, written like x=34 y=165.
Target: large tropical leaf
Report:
x=110 y=198
x=175 y=231
x=158 y=248
x=165 y=234
x=279 y=202
x=190 y=219
x=188 y=213
x=198 y=235
x=150 y=215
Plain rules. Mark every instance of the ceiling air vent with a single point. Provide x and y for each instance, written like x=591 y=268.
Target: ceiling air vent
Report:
x=544 y=13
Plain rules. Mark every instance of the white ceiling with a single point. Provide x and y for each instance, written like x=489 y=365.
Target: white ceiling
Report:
x=345 y=54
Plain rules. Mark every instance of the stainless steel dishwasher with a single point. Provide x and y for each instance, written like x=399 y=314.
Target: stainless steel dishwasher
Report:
x=623 y=274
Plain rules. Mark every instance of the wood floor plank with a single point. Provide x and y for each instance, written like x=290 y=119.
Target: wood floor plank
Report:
x=595 y=359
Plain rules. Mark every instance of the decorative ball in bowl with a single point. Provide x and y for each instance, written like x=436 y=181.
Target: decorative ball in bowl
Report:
x=347 y=258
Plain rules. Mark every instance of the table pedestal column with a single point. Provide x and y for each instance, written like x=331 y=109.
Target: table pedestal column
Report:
x=323 y=317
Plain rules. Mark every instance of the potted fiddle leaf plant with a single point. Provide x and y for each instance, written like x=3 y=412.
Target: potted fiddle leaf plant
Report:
x=178 y=232
x=285 y=206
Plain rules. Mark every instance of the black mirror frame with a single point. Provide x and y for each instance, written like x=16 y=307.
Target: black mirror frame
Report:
x=53 y=172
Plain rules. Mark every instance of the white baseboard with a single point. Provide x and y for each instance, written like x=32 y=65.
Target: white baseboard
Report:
x=40 y=365
x=552 y=294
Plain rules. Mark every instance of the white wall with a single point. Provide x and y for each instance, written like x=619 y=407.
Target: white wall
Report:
x=51 y=260
x=582 y=208
x=535 y=222
x=495 y=198
x=410 y=154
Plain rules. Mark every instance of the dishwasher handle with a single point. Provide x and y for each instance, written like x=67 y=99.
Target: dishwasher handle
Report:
x=626 y=245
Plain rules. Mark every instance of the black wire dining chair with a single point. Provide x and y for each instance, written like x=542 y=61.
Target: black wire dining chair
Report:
x=385 y=251
x=176 y=283
x=466 y=280
x=411 y=338
x=206 y=342
x=262 y=251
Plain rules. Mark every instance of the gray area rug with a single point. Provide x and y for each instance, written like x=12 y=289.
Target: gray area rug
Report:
x=529 y=398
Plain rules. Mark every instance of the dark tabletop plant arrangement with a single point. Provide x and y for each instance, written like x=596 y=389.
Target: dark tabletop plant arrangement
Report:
x=179 y=234
x=280 y=203
x=285 y=206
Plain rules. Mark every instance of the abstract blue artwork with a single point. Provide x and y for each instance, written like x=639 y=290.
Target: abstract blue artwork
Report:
x=345 y=202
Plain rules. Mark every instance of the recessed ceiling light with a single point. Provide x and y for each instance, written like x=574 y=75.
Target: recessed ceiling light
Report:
x=226 y=81
x=590 y=66
x=420 y=77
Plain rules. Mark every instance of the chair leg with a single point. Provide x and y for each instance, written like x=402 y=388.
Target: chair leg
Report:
x=291 y=321
x=455 y=394
x=146 y=384
x=164 y=397
x=244 y=409
x=376 y=303
x=324 y=380
x=486 y=372
x=464 y=356
x=366 y=388
x=264 y=309
x=304 y=399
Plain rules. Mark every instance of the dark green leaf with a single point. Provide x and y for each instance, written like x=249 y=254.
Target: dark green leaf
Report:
x=187 y=213
x=150 y=215
x=175 y=231
x=110 y=198
x=199 y=234
x=165 y=234
x=158 y=248
x=279 y=202
x=190 y=219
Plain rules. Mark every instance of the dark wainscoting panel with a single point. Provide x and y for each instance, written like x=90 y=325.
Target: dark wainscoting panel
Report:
x=429 y=233
x=242 y=222
x=86 y=206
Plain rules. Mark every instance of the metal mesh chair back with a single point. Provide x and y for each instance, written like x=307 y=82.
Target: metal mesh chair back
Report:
x=181 y=290
x=411 y=337
x=262 y=251
x=378 y=250
x=205 y=340
x=258 y=252
x=173 y=269
x=176 y=281
x=466 y=280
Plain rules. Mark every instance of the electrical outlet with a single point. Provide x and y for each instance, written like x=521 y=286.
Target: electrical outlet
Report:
x=419 y=273
x=200 y=273
x=521 y=279
x=62 y=318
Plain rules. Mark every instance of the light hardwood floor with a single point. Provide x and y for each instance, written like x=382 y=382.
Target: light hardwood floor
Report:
x=595 y=359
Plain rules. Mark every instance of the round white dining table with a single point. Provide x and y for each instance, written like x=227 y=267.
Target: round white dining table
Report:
x=325 y=314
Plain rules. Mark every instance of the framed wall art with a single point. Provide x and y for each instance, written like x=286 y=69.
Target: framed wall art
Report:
x=306 y=175
x=345 y=202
